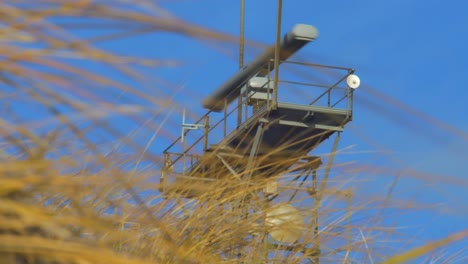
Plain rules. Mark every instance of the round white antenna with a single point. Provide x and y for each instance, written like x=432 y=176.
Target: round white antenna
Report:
x=285 y=223
x=353 y=81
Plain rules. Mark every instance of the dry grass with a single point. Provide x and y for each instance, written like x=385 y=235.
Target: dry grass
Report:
x=77 y=188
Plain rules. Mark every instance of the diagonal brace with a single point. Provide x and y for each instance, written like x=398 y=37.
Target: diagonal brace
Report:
x=254 y=149
x=228 y=166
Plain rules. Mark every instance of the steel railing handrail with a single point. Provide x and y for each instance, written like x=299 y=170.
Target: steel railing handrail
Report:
x=228 y=114
x=329 y=89
x=200 y=138
x=316 y=65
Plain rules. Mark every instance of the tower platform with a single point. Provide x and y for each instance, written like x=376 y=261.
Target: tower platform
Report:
x=273 y=136
x=291 y=129
x=270 y=143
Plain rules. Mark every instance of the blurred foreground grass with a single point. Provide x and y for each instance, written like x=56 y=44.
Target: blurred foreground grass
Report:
x=76 y=188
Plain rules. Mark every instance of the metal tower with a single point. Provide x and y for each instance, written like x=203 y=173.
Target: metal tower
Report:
x=255 y=132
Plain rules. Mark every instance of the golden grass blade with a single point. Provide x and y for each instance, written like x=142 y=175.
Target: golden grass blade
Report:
x=61 y=251
x=420 y=251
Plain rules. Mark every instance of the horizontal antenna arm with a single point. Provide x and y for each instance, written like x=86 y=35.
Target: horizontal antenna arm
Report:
x=294 y=40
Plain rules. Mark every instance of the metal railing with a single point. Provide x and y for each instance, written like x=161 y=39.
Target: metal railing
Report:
x=348 y=92
x=190 y=159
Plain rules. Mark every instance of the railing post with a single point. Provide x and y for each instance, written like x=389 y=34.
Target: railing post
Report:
x=225 y=116
x=277 y=55
x=268 y=87
x=207 y=129
x=247 y=98
x=184 y=157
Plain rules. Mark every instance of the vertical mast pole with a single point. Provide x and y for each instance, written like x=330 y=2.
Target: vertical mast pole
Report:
x=241 y=58
x=277 y=54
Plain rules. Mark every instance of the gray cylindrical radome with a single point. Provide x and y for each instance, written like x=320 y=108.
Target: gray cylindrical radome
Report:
x=294 y=40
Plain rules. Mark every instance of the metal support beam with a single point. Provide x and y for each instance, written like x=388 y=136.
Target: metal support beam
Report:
x=292 y=123
x=233 y=172
x=241 y=57
x=254 y=149
x=277 y=55
x=331 y=128
x=205 y=133
x=319 y=193
x=348 y=227
x=329 y=165
x=317 y=126
x=315 y=259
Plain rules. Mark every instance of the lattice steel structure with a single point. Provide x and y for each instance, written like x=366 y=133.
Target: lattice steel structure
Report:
x=265 y=141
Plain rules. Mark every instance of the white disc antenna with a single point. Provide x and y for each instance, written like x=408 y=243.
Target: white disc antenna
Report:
x=353 y=81
x=285 y=223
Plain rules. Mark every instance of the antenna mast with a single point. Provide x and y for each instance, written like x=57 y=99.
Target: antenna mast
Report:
x=277 y=53
x=241 y=57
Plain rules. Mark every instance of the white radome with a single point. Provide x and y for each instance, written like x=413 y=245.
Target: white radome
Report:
x=285 y=223
x=353 y=81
